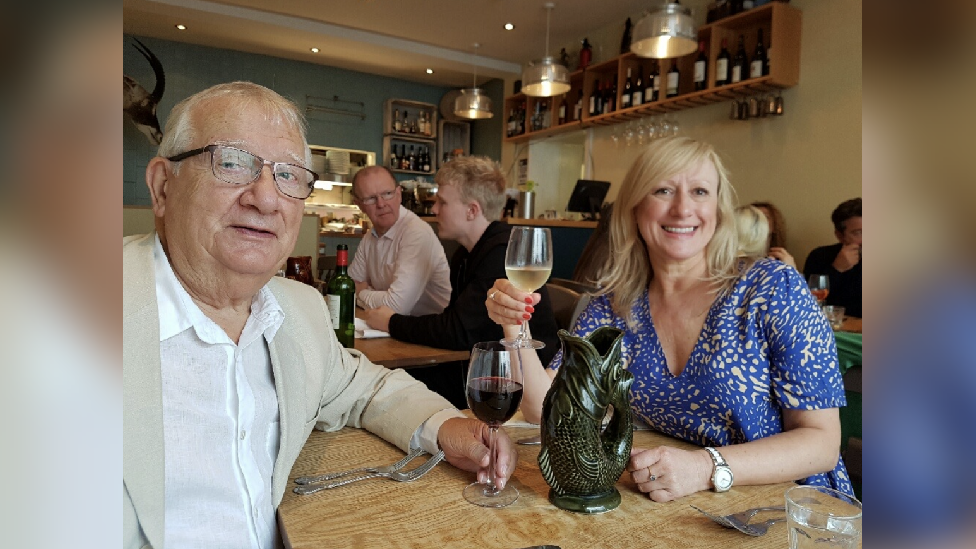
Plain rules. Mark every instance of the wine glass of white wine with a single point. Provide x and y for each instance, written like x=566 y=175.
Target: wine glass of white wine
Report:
x=528 y=263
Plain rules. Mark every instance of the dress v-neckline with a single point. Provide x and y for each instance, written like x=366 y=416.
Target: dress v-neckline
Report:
x=657 y=338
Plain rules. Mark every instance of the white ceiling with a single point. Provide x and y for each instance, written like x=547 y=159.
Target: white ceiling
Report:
x=396 y=38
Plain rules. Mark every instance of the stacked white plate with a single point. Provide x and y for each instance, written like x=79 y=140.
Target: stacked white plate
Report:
x=338 y=162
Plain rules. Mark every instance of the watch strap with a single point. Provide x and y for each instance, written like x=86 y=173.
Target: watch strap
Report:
x=717 y=458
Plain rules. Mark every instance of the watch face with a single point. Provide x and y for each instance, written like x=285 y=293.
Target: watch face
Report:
x=722 y=478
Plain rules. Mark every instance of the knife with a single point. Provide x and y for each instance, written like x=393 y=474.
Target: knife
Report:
x=543 y=547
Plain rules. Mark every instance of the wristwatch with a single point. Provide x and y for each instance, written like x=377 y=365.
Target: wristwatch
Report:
x=721 y=473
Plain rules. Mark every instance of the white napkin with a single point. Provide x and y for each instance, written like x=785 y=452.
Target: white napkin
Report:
x=365 y=332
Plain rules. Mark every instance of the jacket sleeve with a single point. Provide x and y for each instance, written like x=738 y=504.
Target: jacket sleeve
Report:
x=465 y=321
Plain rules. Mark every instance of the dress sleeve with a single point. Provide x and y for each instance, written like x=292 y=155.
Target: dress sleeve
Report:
x=804 y=371
x=597 y=313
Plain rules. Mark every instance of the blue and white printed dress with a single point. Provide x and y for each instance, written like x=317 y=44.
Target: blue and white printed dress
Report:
x=765 y=346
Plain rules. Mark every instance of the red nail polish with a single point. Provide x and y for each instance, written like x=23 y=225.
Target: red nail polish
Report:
x=528 y=300
x=526 y=316
x=530 y=309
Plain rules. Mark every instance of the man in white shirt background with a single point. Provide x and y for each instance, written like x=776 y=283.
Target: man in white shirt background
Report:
x=226 y=368
x=400 y=262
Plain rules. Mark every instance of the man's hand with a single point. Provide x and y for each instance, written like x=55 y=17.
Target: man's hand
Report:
x=848 y=256
x=465 y=444
x=378 y=318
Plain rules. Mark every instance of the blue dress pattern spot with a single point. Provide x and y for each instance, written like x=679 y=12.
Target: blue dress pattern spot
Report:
x=765 y=346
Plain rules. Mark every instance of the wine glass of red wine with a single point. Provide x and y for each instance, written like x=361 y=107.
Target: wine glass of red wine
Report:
x=494 y=392
x=819 y=287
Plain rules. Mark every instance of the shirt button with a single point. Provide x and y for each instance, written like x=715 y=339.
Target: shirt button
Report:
x=243 y=434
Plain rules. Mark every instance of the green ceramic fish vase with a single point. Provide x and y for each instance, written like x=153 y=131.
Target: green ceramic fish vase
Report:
x=580 y=461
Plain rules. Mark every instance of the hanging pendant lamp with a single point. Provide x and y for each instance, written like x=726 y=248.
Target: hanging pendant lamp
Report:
x=545 y=77
x=667 y=31
x=473 y=104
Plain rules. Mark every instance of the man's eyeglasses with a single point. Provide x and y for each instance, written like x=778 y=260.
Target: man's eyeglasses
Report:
x=385 y=195
x=239 y=167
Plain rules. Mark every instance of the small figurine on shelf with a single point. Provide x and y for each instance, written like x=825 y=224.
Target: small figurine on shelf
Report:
x=585 y=55
x=626 y=38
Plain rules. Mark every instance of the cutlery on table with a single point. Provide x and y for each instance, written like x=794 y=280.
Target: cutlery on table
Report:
x=740 y=520
x=399 y=476
x=377 y=469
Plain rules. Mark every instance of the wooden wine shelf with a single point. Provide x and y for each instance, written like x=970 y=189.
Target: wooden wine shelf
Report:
x=781 y=24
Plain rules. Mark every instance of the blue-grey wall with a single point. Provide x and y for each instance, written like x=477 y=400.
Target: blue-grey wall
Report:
x=191 y=68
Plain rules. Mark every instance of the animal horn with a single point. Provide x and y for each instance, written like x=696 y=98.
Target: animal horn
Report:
x=157 y=67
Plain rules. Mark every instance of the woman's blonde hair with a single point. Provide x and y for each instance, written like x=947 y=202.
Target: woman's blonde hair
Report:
x=629 y=271
x=477 y=179
x=753 y=232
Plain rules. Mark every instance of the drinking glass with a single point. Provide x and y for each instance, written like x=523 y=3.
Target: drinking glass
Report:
x=819 y=287
x=819 y=517
x=835 y=315
x=494 y=392
x=528 y=263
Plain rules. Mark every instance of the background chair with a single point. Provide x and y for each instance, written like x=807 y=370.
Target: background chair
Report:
x=578 y=287
x=564 y=303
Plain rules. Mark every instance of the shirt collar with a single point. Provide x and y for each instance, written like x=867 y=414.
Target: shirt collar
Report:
x=178 y=312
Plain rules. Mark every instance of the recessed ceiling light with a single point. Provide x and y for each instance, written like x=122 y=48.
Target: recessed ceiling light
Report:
x=315 y=50
x=430 y=71
x=509 y=26
x=181 y=27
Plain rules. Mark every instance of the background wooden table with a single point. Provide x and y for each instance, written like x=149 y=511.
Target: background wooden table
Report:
x=431 y=512
x=393 y=353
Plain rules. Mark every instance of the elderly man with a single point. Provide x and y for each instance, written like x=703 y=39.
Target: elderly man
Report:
x=470 y=197
x=841 y=262
x=400 y=263
x=226 y=368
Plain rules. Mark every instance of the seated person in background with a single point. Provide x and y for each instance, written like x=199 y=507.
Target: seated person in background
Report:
x=226 y=367
x=470 y=197
x=594 y=255
x=400 y=262
x=777 y=233
x=753 y=232
x=842 y=261
x=731 y=355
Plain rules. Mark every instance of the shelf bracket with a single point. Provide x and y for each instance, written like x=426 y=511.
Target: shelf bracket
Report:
x=335 y=106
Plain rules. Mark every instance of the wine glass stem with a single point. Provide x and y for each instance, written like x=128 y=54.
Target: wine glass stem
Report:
x=491 y=489
x=522 y=336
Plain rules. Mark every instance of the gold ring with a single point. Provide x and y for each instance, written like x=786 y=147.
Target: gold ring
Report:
x=491 y=296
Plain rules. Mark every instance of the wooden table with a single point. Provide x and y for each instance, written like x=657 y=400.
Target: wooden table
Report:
x=393 y=353
x=431 y=512
x=851 y=324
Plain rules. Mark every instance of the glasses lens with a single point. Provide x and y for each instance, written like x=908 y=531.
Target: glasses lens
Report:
x=235 y=166
x=294 y=181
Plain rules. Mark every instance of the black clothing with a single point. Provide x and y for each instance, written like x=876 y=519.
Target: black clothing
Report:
x=845 y=288
x=465 y=321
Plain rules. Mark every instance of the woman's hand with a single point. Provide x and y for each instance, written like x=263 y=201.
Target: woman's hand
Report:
x=509 y=307
x=782 y=255
x=667 y=473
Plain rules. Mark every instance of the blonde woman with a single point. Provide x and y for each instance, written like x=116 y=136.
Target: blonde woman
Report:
x=732 y=355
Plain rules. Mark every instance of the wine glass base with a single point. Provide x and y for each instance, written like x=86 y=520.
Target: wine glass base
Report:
x=478 y=494
x=523 y=343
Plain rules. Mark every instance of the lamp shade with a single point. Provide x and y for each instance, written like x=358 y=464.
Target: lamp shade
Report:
x=473 y=104
x=545 y=78
x=666 y=32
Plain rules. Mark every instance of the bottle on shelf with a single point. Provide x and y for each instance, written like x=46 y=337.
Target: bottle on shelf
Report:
x=510 y=128
x=740 y=63
x=637 y=96
x=404 y=161
x=412 y=161
x=594 y=99
x=396 y=120
x=578 y=113
x=627 y=95
x=760 y=65
x=426 y=160
x=701 y=67
x=405 y=125
x=341 y=299
x=656 y=92
x=394 y=161
x=561 y=119
x=605 y=100
x=723 y=65
x=612 y=96
x=674 y=78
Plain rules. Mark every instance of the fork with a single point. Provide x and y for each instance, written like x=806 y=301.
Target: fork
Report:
x=740 y=521
x=398 y=476
x=376 y=469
